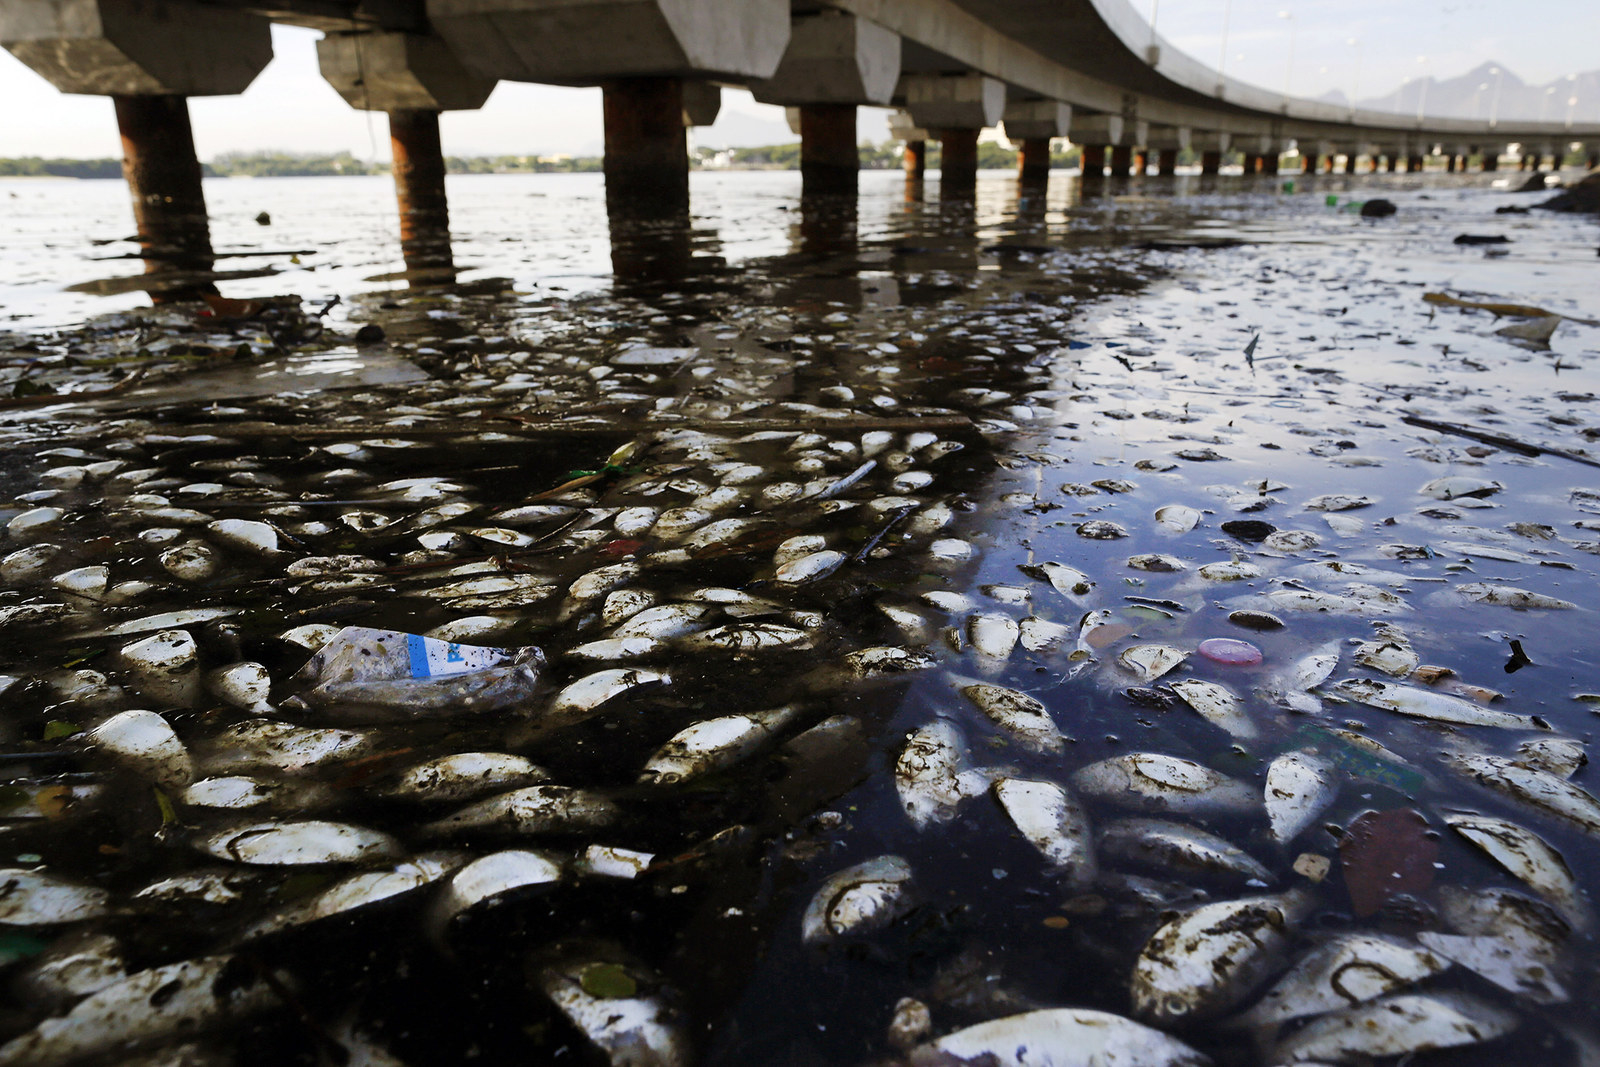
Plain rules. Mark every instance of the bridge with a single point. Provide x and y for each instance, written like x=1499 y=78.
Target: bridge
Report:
x=1092 y=71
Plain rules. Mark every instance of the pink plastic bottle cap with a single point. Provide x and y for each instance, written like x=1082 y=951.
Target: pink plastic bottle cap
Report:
x=1229 y=651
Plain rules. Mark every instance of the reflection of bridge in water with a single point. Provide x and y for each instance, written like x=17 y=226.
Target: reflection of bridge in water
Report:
x=1089 y=70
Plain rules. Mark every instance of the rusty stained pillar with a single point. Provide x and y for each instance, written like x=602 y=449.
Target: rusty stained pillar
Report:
x=1121 y=160
x=647 y=149
x=1308 y=164
x=1210 y=162
x=1350 y=163
x=916 y=160
x=1269 y=163
x=1033 y=161
x=1141 y=161
x=829 y=160
x=1414 y=164
x=419 y=187
x=1491 y=159
x=1330 y=163
x=1094 y=161
x=1450 y=163
x=163 y=176
x=958 y=161
x=1594 y=161
x=1164 y=161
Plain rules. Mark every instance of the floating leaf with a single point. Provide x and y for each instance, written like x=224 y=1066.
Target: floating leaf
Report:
x=169 y=815
x=1385 y=853
x=607 y=980
x=56 y=729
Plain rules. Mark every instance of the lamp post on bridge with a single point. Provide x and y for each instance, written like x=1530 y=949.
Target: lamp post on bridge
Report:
x=1494 y=102
x=1422 y=94
x=1355 y=89
x=1222 y=58
x=1288 y=69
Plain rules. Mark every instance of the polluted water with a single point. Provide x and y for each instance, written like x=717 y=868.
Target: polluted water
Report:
x=1153 y=627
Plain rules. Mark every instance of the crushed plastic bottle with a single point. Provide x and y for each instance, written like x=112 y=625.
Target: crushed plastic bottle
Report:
x=367 y=675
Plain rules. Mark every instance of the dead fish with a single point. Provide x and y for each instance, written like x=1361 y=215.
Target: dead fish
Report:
x=617 y=649
x=357 y=891
x=993 y=636
x=74 y=966
x=1357 y=599
x=245 y=686
x=1429 y=704
x=1101 y=530
x=165 y=667
x=490 y=877
x=589 y=694
x=809 y=568
x=714 y=745
x=931 y=774
x=265 y=743
x=238 y=792
x=1058 y=1037
x=858 y=900
x=1204 y=963
x=664 y=621
x=1041 y=635
x=38 y=898
x=1528 y=857
x=1537 y=790
x=1068 y=581
x=1389 y=652
x=149 y=1007
x=1502 y=963
x=1152 y=781
x=1019 y=714
x=1456 y=486
x=1338 y=502
x=744 y=638
x=608 y=861
x=1300 y=786
x=1509 y=596
x=1170 y=848
x=536 y=809
x=1348 y=970
x=249 y=535
x=145 y=743
x=620 y=1006
x=463 y=776
x=1291 y=687
x=1217 y=704
x=293 y=843
x=1396 y=1025
x=1178 y=518
x=1149 y=662
x=1053 y=821
x=1561 y=756
x=1236 y=570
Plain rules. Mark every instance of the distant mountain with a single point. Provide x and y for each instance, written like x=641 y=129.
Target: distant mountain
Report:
x=1489 y=90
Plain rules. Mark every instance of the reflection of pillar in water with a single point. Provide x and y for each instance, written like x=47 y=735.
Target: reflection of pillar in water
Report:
x=649 y=253
x=958 y=162
x=647 y=149
x=419 y=186
x=829 y=160
x=163 y=175
x=827 y=226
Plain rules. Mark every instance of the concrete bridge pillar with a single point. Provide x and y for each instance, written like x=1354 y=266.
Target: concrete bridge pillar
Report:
x=1210 y=161
x=411 y=77
x=1350 y=160
x=1033 y=161
x=1094 y=161
x=1594 y=160
x=646 y=148
x=955 y=108
x=1269 y=163
x=834 y=62
x=1415 y=164
x=1211 y=145
x=902 y=128
x=1033 y=124
x=916 y=160
x=1121 y=160
x=149 y=58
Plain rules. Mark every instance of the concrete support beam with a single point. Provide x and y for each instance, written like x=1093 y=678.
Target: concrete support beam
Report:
x=1033 y=160
x=916 y=159
x=834 y=58
x=1350 y=160
x=1121 y=160
x=1414 y=164
x=902 y=128
x=1096 y=129
x=958 y=160
x=1211 y=161
x=419 y=187
x=647 y=151
x=1031 y=119
x=953 y=101
x=400 y=72
x=829 y=161
x=702 y=102
x=1269 y=162
x=163 y=176
x=1094 y=161
x=1210 y=141
x=584 y=42
x=153 y=47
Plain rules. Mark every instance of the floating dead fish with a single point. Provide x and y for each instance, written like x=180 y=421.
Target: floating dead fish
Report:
x=1101 y=530
x=1509 y=596
x=747 y=637
x=1058 y=1037
x=586 y=696
x=1396 y=1025
x=1149 y=662
x=72 y=967
x=1457 y=486
x=1429 y=704
x=145 y=743
x=931 y=774
x=1158 y=563
x=1291 y=687
x=1538 y=790
x=245 y=686
x=178 y=1000
x=1178 y=518
x=993 y=636
x=276 y=844
x=463 y=776
x=1237 y=570
x=608 y=861
x=1041 y=635
x=1338 y=502
x=1561 y=756
x=1217 y=704
x=165 y=667
x=714 y=745
x=810 y=567
x=1390 y=652
x=1053 y=821
x=1502 y=963
x=1068 y=581
x=357 y=891
x=1357 y=599
x=1172 y=848
x=238 y=792
x=38 y=898
x=536 y=809
x=1203 y=964
x=858 y=900
x=1152 y=781
x=1019 y=714
x=246 y=534
x=1348 y=970
x=491 y=876
x=1528 y=857
x=664 y=621
x=621 y=1007
x=1300 y=786
x=264 y=743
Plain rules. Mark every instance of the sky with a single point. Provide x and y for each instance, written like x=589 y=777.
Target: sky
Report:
x=1361 y=47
